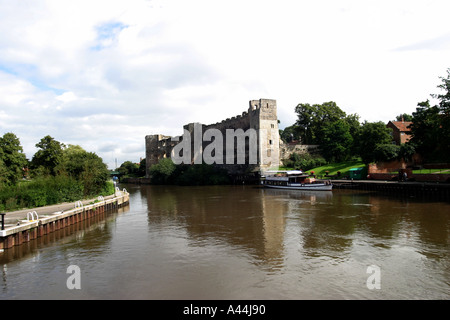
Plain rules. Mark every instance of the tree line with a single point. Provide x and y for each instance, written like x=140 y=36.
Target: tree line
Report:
x=56 y=173
x=341 y=136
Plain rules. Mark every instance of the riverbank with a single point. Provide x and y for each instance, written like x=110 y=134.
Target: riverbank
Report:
x=410 y=188
x=22 y=226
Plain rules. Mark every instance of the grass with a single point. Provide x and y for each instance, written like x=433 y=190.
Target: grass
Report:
x=342 y=167
x=425 y=171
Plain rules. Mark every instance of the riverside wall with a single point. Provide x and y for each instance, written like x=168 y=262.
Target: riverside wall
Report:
x=34 y=226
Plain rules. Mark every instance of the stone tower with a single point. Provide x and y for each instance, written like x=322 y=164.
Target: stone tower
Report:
x=263 y=118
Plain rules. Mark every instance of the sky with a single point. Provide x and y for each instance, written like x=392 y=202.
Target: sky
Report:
x=103 y=74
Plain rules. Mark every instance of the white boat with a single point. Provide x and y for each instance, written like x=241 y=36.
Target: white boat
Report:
x=294 y=180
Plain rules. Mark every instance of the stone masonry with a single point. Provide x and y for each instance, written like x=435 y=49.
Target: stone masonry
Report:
x=261 y=116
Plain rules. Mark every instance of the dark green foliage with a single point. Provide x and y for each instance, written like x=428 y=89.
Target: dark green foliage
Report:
x=328 y=126
x=48 y=156
x=336 y=141
x=386 y=152
x=200 y=174
x=166 y=172
x=161 y=173
x=40 y=192
x=371 y=135
x=303 y=161
x=59 y=174
x=12 y=159
x=430 y=127
x=129 y=169
x=45 y=191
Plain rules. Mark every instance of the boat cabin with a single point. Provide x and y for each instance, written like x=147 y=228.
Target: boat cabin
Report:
x=286 y=178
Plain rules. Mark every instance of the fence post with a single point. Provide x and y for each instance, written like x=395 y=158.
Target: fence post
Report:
x=3 y=220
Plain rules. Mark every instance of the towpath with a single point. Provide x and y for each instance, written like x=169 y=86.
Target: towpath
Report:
x=13 y=216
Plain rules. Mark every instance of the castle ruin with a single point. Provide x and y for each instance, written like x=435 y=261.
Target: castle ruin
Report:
x=260 y=123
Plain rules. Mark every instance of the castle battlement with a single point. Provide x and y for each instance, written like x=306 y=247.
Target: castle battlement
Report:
x=261 y=117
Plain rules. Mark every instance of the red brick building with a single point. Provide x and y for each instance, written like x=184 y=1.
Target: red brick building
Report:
x=400 y=131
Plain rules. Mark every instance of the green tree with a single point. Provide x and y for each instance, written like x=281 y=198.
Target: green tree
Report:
x=161 y=173
x=85 y=167
x=142 y=168
x=72 y=161
x=386 y=152
x=371 y=135
x=407 y=151
x=48 y=156
x=312 y=118
x=290 y=133
x=425 y=130
x=443 y=146
x=128 y=168
x=354 y=123
x=12 y=159
x=3 y=172
x=95 y=174
x=430 y=128
x=336 y=142
x=404 y=117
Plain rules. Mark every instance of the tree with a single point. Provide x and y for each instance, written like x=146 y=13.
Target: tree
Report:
x=72 y=161
x=12 y=159
x=128 y=168
x=161 y=172
x=95 y=174
x=430 y=128
x=444 y=117
x=48 y=156
x=290 y=133
x=336 y=141
x=85 y=167
x=311 y=119
x=404 y=117
x=386 y=152
x=3 y=172
x=371 y=135
x=142 y=168
x=425 y=129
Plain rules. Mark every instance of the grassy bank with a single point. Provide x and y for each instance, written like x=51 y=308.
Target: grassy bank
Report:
x=332 y=169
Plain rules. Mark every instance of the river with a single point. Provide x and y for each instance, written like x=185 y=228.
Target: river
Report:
x=242 y=242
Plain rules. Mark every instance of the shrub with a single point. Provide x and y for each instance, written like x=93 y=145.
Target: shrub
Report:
x=303 y=161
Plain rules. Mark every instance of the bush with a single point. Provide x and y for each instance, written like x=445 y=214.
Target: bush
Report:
x=386 y=152
x=161 y=173
x=40 y=192
x=166 y=172
x=303 y=161
x=200 y=174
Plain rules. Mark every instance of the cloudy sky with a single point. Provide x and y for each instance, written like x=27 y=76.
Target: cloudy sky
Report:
x=103 y=74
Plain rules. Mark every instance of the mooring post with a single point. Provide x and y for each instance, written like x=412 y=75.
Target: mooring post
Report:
x=3 y=220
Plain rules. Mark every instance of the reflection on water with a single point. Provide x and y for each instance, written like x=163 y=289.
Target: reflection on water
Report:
x=243 y=242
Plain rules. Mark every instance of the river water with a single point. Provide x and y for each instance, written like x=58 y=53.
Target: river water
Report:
x=242 y=242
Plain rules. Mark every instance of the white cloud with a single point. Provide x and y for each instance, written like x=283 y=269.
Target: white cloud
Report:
x=103 y=74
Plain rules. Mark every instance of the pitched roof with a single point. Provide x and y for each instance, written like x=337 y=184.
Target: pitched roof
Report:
x=402 y=125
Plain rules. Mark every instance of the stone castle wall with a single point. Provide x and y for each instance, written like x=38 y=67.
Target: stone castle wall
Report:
x=261 y=116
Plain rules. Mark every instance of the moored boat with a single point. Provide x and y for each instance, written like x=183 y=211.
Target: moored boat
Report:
x=294 y=180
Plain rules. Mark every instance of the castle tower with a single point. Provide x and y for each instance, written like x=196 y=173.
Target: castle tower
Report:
x=263 y=118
